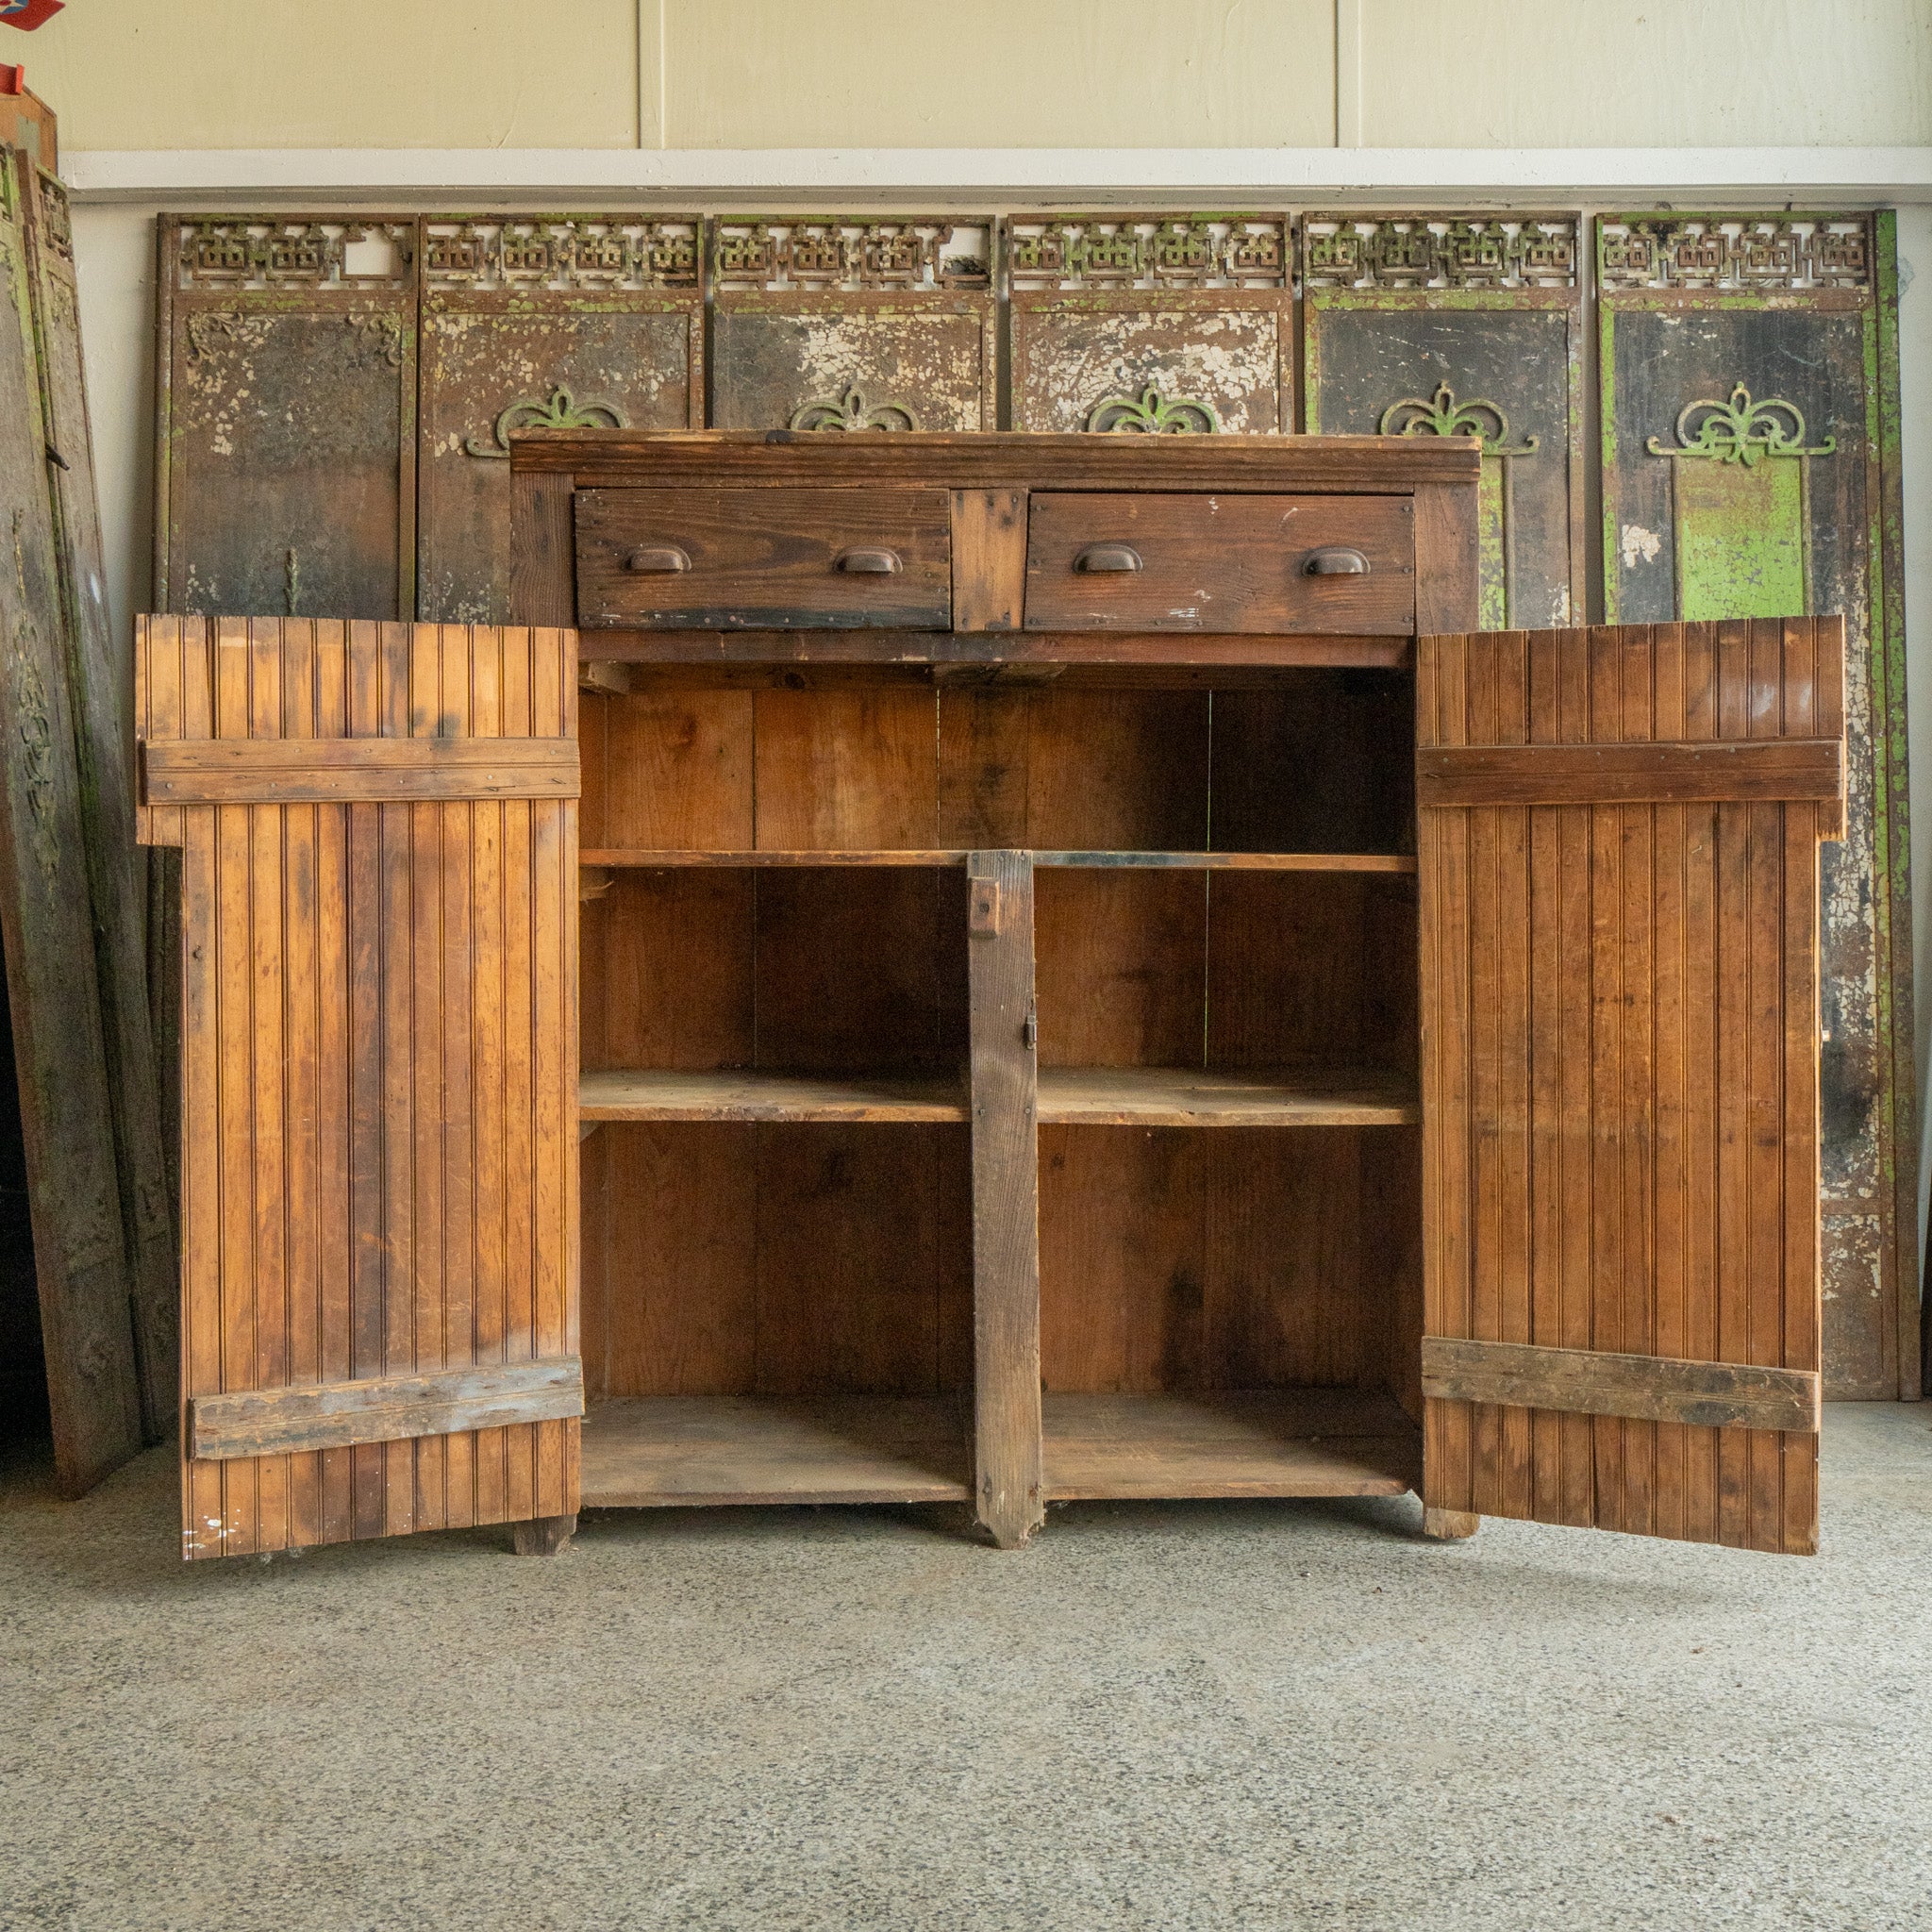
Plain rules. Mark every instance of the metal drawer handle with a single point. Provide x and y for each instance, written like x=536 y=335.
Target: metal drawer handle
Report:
x=872 y=563
x=1108 y=556
x=1337 y=564
x=657 y=561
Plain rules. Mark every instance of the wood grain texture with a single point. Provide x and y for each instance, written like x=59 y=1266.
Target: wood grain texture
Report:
x=1366 y=465
x=1620 y=1091
x=1771 y=770
x=1186 y=1097
x=85 y=1282
x=335 y=1415
x=320 y=771
x=379 y=1072
x=1003 y=1083
x=1585 y=1381
x=764 y=560
x=1226 y=564
x=653 y=1095
x=989 y=559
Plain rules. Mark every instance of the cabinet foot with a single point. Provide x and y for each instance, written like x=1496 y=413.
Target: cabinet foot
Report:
x=1449 y=1526
x=544 y=1536
x=1011 y=1529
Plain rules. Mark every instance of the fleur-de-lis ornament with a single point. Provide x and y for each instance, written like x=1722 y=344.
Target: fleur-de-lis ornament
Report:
x=1741 y=431
x=851 y=411
x=1150 y=413
x=1442 y=415
x=558 y=410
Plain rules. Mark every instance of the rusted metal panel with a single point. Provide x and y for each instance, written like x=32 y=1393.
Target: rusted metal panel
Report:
x=66 y=1120
x=1741 y=398
x=285 y=442
x=1165 y=324
x=853 y=324
x=542 y=322
x=1464 y=326
x=94 y=678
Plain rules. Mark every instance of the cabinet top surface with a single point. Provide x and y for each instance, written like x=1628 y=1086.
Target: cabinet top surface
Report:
x=1367 y=464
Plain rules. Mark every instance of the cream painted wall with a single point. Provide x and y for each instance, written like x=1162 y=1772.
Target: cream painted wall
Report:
x=751 y=73
x=129 y=74
x=1645 y=72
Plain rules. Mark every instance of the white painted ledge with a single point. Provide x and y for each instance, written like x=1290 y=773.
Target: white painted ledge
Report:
x=1828 y=175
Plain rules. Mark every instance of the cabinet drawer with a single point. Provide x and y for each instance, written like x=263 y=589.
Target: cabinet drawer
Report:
x=763 y=559
x=1221 y=563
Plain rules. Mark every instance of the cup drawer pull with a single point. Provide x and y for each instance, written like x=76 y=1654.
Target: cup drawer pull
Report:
x=868 y=563
x=1337 y=563
x=657 y=560
x=1103 y=557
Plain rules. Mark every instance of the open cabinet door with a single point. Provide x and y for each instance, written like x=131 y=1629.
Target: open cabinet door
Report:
x=378 y=1197
x=1619 y=839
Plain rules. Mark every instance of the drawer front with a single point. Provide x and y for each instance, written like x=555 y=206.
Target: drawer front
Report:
x=763 y=559
x=1260 y=564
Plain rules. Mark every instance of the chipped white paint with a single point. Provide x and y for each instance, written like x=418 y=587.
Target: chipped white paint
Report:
x=1639 y=545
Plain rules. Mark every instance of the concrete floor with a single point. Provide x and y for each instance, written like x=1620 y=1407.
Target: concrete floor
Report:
x=1163 y=1717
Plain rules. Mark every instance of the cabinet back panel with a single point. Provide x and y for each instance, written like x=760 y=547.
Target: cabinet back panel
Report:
x=777 y=1261
x=1178 y=1260
x=814 y=969
x=669 y=770
x=1235 y=969
x=1322 y=762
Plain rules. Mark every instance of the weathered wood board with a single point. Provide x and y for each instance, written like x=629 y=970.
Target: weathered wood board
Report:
x=852 y=324
x=96 y=693
x=1741 y=394
x=1151 y=325
x=379 y=1072
x=544 y=321
x=60 y=1058
x=1444 y=326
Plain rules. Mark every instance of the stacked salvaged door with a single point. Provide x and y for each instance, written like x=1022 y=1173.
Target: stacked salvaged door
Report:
x=1618 y=868
x=379 y=986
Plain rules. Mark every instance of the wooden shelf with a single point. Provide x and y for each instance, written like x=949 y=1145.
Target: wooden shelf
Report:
x=693 y=1449
x=1249 y=1443
x=619 y=859
x=1194 y=1097
x=743 y=1096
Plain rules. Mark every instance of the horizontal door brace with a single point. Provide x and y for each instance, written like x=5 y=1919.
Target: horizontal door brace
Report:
x=383 y=1408
x=1588 y=1381
x=1755 y=770
x=343 y=771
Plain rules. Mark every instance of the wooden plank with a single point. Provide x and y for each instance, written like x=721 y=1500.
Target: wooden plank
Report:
x=1261 y=1443
x=650 y=859
x=543 y=584
x=1003 y=1083
x=678 y=769
x=686 y=1450
x=1362 y=465
x=1582 y=1381
x=95 y=670
x=386 y=1408
x=1189 y=1097
x=847 y=769
x=60 y=1056
x=1764 y=769
x=989 y=559
x=343 y=771
x=1121 y=966
x=657 y=1094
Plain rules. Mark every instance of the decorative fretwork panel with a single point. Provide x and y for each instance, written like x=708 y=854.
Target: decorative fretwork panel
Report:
x=1742 y=478
x=1151 y=325
x=1439 y=252
x=852 y=324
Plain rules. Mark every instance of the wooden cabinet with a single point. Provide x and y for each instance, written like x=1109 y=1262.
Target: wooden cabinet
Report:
x=1118 y=993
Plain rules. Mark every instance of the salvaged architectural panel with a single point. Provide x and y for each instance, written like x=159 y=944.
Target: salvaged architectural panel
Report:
x=834 y=325
x=1151 y=325
x=1442 y=326
x=288 y=384
x=1741 y=477
x=541 y=323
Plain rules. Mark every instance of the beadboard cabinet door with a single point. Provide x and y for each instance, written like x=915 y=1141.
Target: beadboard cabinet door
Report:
x=1619 y=851
x=377 y=827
